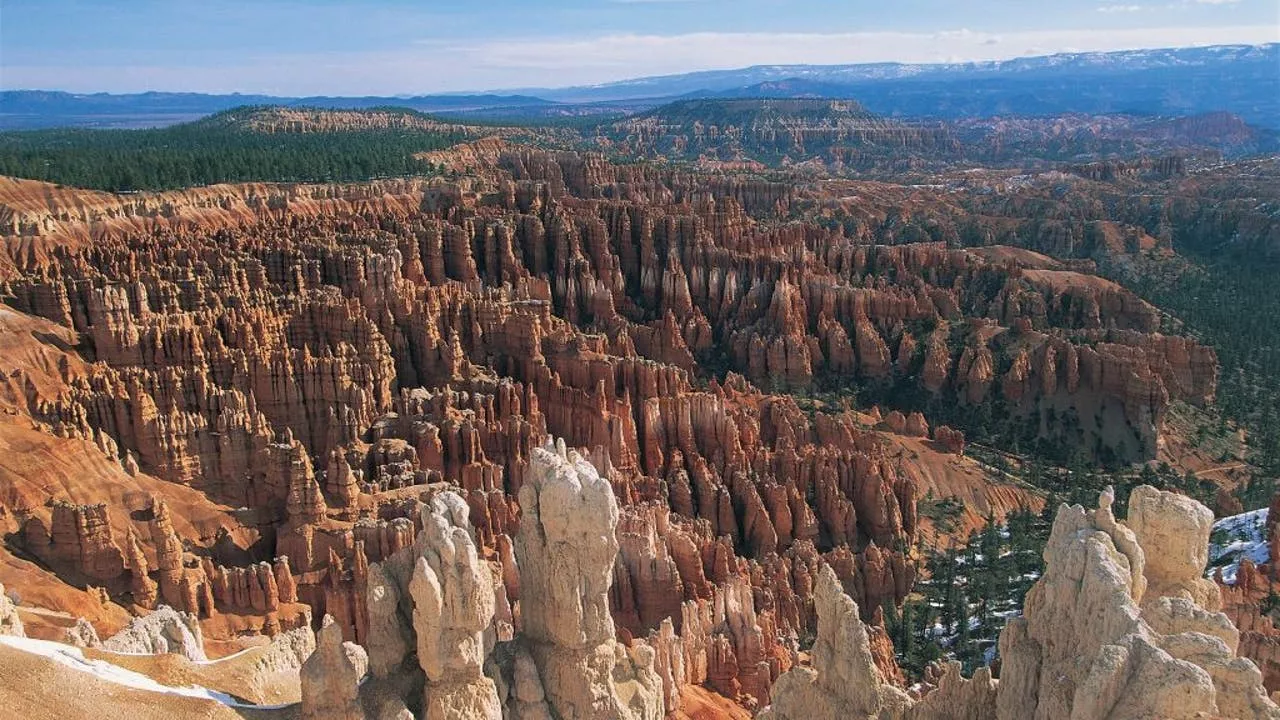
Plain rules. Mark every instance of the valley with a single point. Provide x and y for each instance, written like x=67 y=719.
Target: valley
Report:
x=730 y=407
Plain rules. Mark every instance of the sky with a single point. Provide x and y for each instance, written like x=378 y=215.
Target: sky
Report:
x=405 y=47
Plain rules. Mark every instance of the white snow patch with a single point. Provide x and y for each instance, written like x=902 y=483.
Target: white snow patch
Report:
x=71 y=657
x=1236 y=538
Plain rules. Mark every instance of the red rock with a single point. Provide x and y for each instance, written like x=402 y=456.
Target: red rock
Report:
x=411 y=335
x=82 y=536
x=141 y=585
x=952 y=440
x=169 y=553
x=916 y=426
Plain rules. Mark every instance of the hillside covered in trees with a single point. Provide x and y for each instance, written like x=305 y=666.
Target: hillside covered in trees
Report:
x=226 y=147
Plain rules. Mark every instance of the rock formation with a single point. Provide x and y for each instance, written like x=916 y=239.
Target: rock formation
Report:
x=1097 y=638
x=565 y=550
x=10 y=623
x=144 y=589
x=164 y=631
x=82 y=634
x=1243 y=603
x=453 y=602
x=331 y=677
x=1144 y=654
x=246 y=395
x=439 y=597
x=843 y=681
x=81 y=535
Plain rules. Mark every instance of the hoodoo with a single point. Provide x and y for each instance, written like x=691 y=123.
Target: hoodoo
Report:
x=753 y=401
x=1122 y=626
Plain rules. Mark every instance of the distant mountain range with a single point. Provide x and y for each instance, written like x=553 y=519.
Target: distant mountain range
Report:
x=1258 y=57
x=1240 y=79
x=23 y=109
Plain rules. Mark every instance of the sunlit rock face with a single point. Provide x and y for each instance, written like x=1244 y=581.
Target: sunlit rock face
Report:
x=1114 y=629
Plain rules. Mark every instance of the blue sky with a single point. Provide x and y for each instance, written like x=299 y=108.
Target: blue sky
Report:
x=386 y=47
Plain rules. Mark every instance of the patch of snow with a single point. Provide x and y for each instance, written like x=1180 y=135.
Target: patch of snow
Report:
x=1236 y=538
x=218 y=661
x=72 y=657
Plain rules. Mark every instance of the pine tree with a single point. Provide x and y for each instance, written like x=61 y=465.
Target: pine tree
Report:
x=964 y=635
x=892 y=623
x=907 y=622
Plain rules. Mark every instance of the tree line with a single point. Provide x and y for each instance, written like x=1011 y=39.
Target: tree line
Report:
x=205 y=153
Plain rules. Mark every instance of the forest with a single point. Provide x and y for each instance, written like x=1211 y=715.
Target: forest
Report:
x=1231 y=303
x=211 y=151
x=970 y=589
x=968 y=594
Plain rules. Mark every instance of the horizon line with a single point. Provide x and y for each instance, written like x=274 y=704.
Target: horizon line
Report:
x=524 y=91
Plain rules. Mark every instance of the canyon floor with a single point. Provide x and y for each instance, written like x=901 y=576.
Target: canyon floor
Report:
x=543 y=414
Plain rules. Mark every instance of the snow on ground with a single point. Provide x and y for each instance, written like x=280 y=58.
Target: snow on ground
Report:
x=71 y=657
x=1236 y=538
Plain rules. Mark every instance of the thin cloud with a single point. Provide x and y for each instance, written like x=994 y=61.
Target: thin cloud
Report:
x=558 y=62
x=614 y=56
x=1113 y=9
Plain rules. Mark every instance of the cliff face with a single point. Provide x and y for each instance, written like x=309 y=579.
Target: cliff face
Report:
x=1122 y=624
x=1259 y=638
